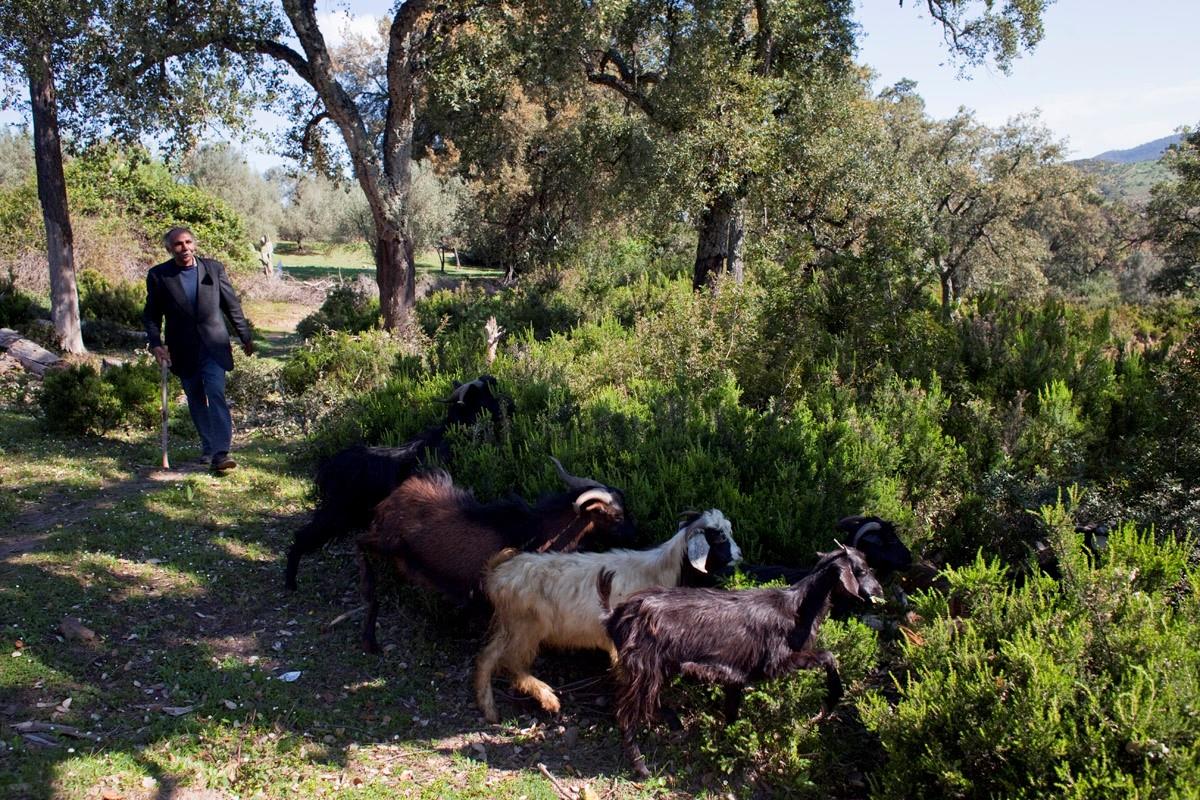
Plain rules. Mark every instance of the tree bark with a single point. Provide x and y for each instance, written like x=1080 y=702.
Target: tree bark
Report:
x=946 y=277
x=396 y=276
x=52 y=192
x=735 y=252
x=712 y=247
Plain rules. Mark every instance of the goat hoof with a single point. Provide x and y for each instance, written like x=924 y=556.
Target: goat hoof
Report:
x=640 y=770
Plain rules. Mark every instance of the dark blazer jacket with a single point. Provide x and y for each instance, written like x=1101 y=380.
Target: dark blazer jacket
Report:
x=189 y=334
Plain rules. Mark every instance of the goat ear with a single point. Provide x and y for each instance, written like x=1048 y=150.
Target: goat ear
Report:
x=849 y=582
x=697 y=550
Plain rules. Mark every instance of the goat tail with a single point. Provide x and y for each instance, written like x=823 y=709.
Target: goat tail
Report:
x=642 y=677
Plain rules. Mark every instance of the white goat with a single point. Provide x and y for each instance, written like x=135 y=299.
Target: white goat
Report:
x=551 y=598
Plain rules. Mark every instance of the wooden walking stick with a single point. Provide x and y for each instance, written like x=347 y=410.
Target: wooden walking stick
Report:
x=164 y=373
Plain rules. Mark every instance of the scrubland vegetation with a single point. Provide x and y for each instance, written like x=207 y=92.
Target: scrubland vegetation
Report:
x=733 y=274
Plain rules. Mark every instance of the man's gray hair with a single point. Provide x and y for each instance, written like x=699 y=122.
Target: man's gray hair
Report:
x=171 y=233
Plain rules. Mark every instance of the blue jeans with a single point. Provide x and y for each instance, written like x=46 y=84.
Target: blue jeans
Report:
x=205 y=391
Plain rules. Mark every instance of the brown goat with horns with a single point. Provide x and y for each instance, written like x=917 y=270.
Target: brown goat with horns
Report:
x=730 y=638
x=439 y=536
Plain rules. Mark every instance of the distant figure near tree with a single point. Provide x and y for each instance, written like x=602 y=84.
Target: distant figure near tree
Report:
x=266 y=254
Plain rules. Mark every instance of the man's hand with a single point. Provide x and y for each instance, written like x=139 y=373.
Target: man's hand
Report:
x=162 y=355
x=248 y=347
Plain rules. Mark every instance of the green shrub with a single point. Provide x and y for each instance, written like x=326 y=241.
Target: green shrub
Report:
x=136 y=387
x=17 y=309
x=77 y=400
x=774 y=739
x=347 y=308
x=101 y=300
x=1084 y=687
x=340 y=361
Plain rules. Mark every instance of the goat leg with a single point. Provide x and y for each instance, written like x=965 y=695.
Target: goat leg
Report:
x=307 y=540
x=734 y=693
x=810 y=659
x=633 y=753
x=366 y=586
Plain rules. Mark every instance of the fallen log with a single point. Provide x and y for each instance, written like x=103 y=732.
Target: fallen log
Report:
x=33 y=357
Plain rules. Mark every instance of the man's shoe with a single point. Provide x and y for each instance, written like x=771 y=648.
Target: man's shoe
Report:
x=204 y=459
x=222 y=462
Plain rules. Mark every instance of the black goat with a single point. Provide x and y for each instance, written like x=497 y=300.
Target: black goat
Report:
x=351 y=482
x=727 y=638
x=875 y=537
x=439 y=536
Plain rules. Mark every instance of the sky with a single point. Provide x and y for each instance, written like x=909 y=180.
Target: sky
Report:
x=1108 y=75
x=1105 y=76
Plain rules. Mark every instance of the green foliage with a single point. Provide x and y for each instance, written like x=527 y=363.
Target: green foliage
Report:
x=774 y=738
x=1084 y=687
x=340 y=360
x=135 y=384
x=1173 y=213
x=107 y=182
x=125 y=190
x=347 y=308
x=16 y=307
x=100 y=299
x=78 y=399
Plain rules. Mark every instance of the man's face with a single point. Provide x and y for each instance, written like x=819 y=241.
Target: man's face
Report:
x=183 y=249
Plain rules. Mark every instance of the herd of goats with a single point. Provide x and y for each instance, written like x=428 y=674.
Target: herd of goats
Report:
x=549 y=577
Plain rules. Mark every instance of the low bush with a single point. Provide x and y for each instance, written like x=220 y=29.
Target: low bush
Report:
x=347 y=308
x=1083 y=687
x=79 y=399
x=342 y=362
x=100 y=299
x=17 y=308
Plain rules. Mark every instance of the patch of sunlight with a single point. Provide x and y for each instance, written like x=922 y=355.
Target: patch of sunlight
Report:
x=376 y=683
x=117 y=772
x=246 y=551
x=121 y=578
x=23 y=671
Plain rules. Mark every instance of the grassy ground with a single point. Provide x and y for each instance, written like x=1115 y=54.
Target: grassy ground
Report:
x=147 y=646
x=183 y=690
x=324 y=260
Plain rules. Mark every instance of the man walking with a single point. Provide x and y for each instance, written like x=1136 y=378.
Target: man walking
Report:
x=193 y=294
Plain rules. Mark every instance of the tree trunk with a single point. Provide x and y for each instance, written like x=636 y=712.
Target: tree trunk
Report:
x=52 y=192
x=946 y=276
x=712 y=249
x=395 y=273
x=735 y=258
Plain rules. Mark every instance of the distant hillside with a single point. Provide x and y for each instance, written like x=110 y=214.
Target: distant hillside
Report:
x=1127 y=175
x=1128 y=183
x=1150 y=151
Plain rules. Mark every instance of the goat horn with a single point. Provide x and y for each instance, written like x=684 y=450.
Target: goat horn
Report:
x=572 y=481
x=863 y=531
x=603 y=495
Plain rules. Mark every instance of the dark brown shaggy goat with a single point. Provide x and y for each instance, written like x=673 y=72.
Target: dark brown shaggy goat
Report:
x=439 y=536
x=351 y=482
x=727 y=638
